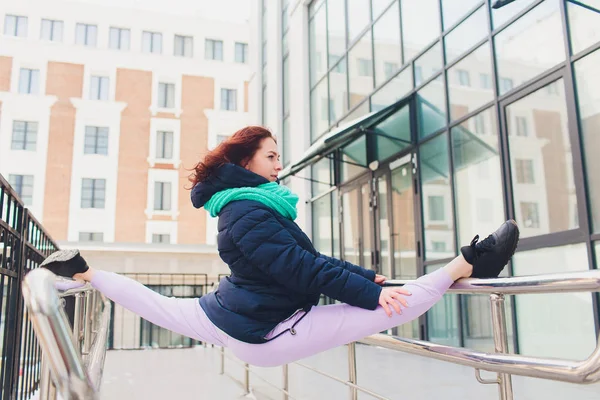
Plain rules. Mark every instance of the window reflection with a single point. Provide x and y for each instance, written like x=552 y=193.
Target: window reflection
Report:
x=466 y=35
x=416 y=15
x=336 y=28
x=359 y=16
x=394 y=90
x=431 y=108
x=338 y=91
x=354 y=158
x=319 y=109
x=429 y=63
x=360 y=59
x=477 y=176
x=436 y=198
x=528 y=46
x=574 y=337
x=583 y=23
x=541 y=162
x=386 y=38
x=454 y=10
x=588 y=97
x=322 y=227
x=318 y=43
x=442 y=318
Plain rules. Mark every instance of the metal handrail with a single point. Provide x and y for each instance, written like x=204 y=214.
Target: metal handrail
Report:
x=73 y=359
x=505 y=365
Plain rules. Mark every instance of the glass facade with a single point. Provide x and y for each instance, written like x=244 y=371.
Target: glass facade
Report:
x=494 y=115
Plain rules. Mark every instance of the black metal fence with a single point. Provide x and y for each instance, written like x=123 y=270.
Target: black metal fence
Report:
x=127 y=331
x=24 y=244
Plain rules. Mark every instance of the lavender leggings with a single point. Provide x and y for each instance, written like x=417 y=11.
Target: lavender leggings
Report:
x=324 y=327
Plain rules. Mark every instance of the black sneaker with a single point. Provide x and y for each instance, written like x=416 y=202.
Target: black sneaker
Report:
x=65 y=263
x=489 y=256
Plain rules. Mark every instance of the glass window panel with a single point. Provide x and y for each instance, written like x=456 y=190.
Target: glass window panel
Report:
x=574 y=337
x=429 y=63
x=415 y=16
x=403 y=237
x=465 y=92
x=466 y=35
x=540 y=206
x=518 y=47
x=394 y=90
x=436 y=195
x=359 y=16
x=453 y=10
x=358 y=112
x=478 y=197
x=392 y=135
x=386 y=38
x=322 y=228
x=322 y=175
x=10 y=25
x=583 y=24
x=318 y=43
x=351 y=226
x=22 y=26
x=287 y=142
x=588 y=98
x=442 y=318
x=431 y=108
x=336 y=25
x=360 y=58
x=319 y=117
x=504 y=13
x=354 y=158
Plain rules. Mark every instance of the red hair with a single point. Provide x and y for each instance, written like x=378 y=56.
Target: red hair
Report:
x=237 y=149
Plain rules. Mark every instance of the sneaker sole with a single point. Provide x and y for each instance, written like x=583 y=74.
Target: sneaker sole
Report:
x=60 y=256
x=516 y=239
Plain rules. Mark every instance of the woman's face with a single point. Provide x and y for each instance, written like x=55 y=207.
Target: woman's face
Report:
x=266 y=160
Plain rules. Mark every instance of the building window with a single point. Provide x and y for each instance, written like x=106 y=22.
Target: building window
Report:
x=24 y=135
x=438 y=246
x=119 y=38
x=389 y=69
x=365 y=67
x=29 y=81
x=486 y=81
x=23 y=186
x=436 y=208
x=524 y=171
x=479 y=121
x=229 y=99
x=184 y=46
x=162 y=196
x=506 y=84
x=161 y=238
x=51 y=30
x=166 y=95
x=464 y=79
x=91 y=237
x=15 y=25
x=152 y=42
x=418 y=75
x=241 y=52
x=99 y=88
x=164 y=145
x=96 y=140
x=522 y=126
x=93 y=193
x=552 y=88
x=530 y=214
x=213 y=49
x=86 y=34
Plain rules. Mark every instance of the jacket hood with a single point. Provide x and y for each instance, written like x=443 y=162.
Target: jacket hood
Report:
x=227 y=176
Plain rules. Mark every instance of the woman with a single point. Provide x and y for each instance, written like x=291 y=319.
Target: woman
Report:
x=266 y=312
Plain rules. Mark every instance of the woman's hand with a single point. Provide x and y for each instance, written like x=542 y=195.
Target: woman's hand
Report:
x=394 y=296
x=379 y=279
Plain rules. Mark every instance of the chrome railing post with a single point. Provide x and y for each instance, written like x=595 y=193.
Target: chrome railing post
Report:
x=87 y=325
x=77 y=315
x=286 y=382
x=247 y=378
x=352 y=370
x=222 y=361
x=501 y=342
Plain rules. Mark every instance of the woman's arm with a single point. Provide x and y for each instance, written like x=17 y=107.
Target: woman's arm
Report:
x=367 y=273
x=268 y=246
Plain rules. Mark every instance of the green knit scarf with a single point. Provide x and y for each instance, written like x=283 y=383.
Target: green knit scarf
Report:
x=273 y=195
